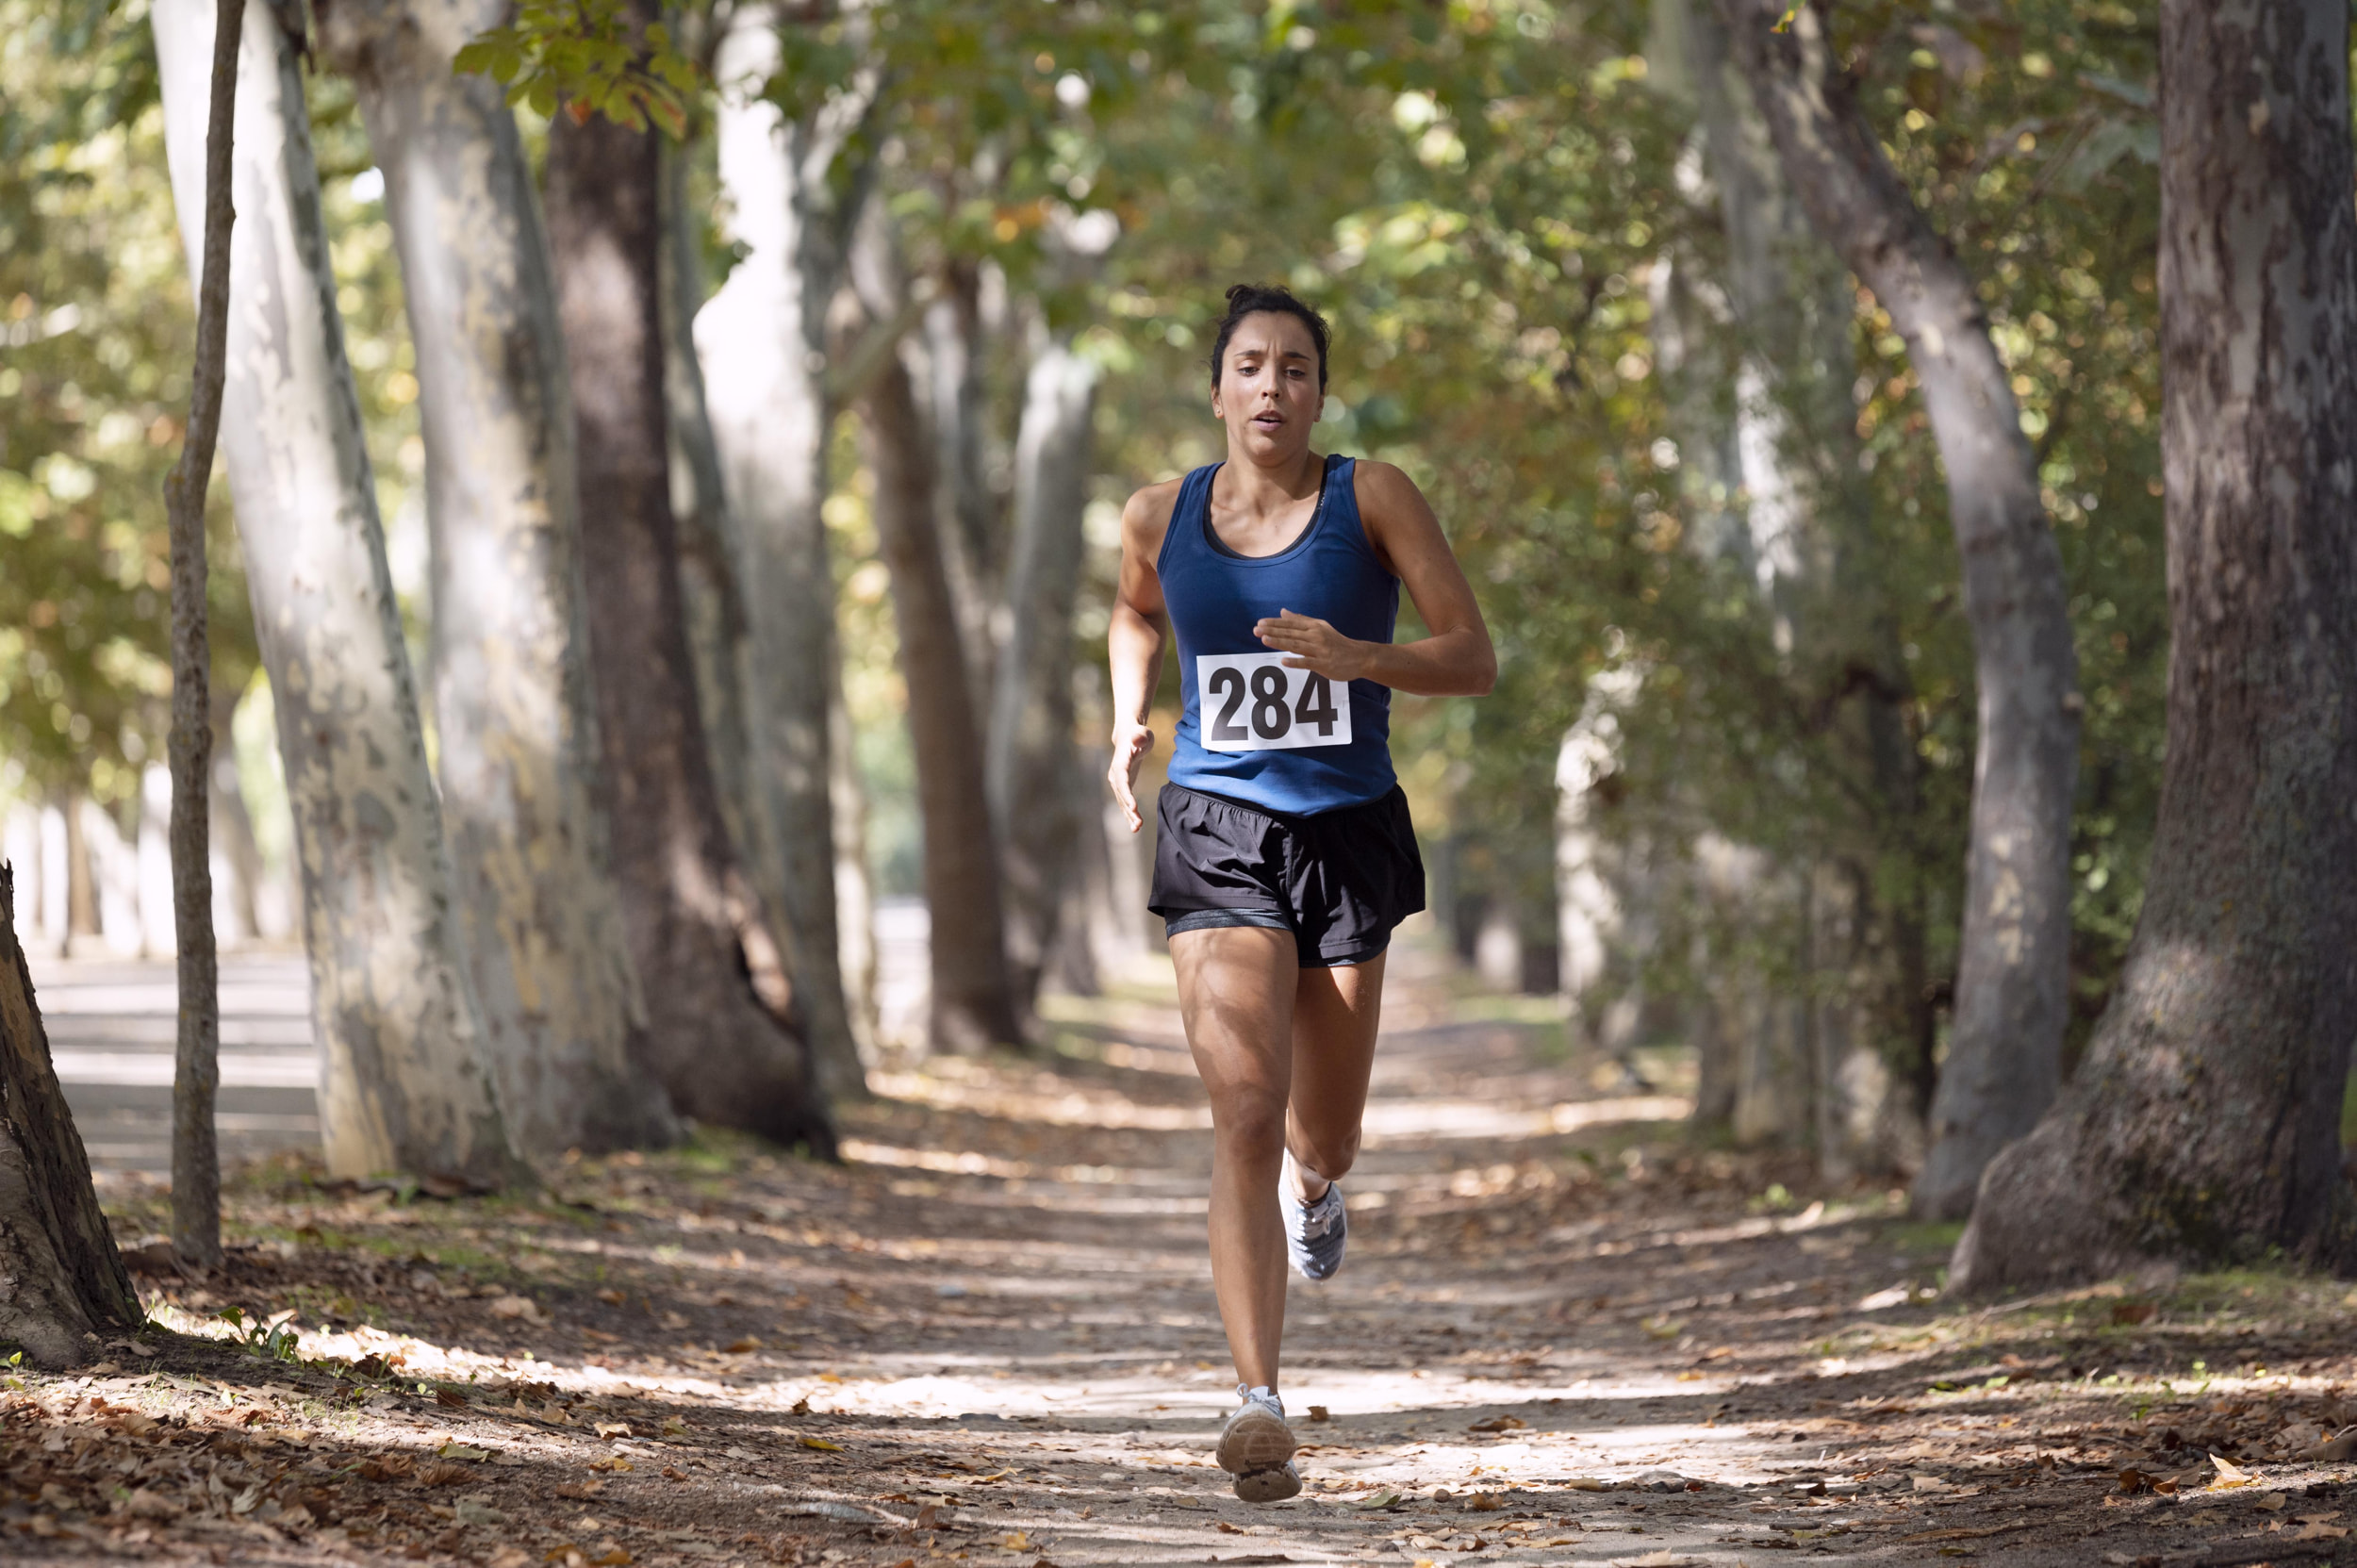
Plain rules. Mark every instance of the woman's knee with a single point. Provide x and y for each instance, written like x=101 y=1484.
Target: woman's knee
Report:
x=1250 y=1119
x=1329 y=1156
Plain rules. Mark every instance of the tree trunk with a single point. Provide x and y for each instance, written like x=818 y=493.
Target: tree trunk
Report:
x=518 y=764
x=762 y=340
x=2204 y=1123
x=1032 y=760
x=402 y=1085
x=81 y=884
x=2012 y=981
x=61 y=1279
x=238 y=893
x=854 y=884
x=710 y=548
x=971 y=550
x=973 y=1002
x=691 y=914
x=196 y=1063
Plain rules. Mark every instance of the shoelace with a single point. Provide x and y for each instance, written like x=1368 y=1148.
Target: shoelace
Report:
x=1318 y=1218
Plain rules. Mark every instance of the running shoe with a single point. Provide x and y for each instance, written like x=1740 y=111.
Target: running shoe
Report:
x=1314 y=1231
x=1257 y=1447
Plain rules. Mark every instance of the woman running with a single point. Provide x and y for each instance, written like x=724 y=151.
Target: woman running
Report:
x=1285 y=854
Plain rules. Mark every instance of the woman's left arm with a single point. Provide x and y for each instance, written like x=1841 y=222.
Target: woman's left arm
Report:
x=1455 y=660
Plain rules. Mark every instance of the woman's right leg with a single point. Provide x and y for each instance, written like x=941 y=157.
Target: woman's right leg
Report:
x=1236 y=987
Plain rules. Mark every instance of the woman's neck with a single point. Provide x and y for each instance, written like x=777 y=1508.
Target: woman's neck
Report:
x=1258 y=488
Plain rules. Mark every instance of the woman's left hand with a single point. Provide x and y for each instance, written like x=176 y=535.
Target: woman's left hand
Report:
x=1314 y=646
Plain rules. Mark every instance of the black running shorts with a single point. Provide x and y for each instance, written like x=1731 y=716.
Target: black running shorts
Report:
x=1338 y=881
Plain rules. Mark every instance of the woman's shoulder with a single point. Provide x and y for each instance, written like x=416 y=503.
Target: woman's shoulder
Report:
x=1146 y=516
x=1380 y=484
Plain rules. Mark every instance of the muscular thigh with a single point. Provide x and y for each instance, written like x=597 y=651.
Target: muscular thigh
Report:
x=1336 y=1015
x=1236 y=992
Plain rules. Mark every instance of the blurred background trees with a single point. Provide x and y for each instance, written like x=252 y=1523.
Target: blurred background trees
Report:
x=933 y=286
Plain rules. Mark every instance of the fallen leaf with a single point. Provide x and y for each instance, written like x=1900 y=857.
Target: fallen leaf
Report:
x=1484 y=1502
x=1588 y=1483
x=509 y=1557
x=617 y=1558
x=612 y=1462
x=2320 y=1533
x=450 y=1398
x=2133 y=1312
x=612 y=1297
x=147 y=1504
x=1014 y=1542
x=2337 y=1449
x=1498 y=1424
x=673 y=1473
x=2273 y=1502
x=613 y=1428
x=1381 y=1499
x=1227 y=1529
x=460 y=1451
x=518 y=1308
x=744 y=1346
x=1319 y=1412
x=579 y=1491
x=822 y=1445
x=442 y=1473
x=2229 y=1473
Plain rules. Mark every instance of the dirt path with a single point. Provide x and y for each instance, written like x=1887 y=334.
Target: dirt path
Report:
x=1562 y=1336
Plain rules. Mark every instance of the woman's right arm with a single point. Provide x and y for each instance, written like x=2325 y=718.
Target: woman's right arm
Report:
x=1134 y=643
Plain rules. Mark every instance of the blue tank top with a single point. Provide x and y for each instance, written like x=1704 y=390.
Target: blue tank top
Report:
x=1282 y=740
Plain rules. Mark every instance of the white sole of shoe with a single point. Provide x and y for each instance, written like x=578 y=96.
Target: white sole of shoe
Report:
x=1269 y=1486
x=1255 y=1441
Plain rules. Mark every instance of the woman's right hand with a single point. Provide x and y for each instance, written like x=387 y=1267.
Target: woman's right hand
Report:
x=1131 y=742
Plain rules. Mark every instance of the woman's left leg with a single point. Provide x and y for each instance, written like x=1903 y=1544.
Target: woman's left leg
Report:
x=1336 y=1013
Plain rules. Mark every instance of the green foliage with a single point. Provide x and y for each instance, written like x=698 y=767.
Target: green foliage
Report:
x=586 y=56
x=96 y=330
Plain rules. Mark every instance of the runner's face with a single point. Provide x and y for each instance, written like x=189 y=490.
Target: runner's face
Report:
x=1268 y=392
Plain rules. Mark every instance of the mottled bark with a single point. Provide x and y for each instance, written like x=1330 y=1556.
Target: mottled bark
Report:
x=403 y=1083
x=2012 y=981
x=513 y=699
x=1033 y=758
x=762 y=341
x=973 y=1000
x=2202 y=1125
x=61 y=1279
x=691 y=914
x=710 y=548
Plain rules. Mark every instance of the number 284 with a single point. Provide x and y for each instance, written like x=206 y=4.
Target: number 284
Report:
x=1257 y=703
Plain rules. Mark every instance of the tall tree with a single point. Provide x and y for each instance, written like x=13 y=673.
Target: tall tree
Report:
x=973 y=1002
x=2012 y=991
x=2203 y=1124
x=196 y=1066
x=692 y=915
x=1032 y=757
x=60 y=1276
x=519 y=755
x=763 y=342
x=403 y=1086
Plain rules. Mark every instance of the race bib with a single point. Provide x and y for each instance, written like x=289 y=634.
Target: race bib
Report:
x=1255 y=702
